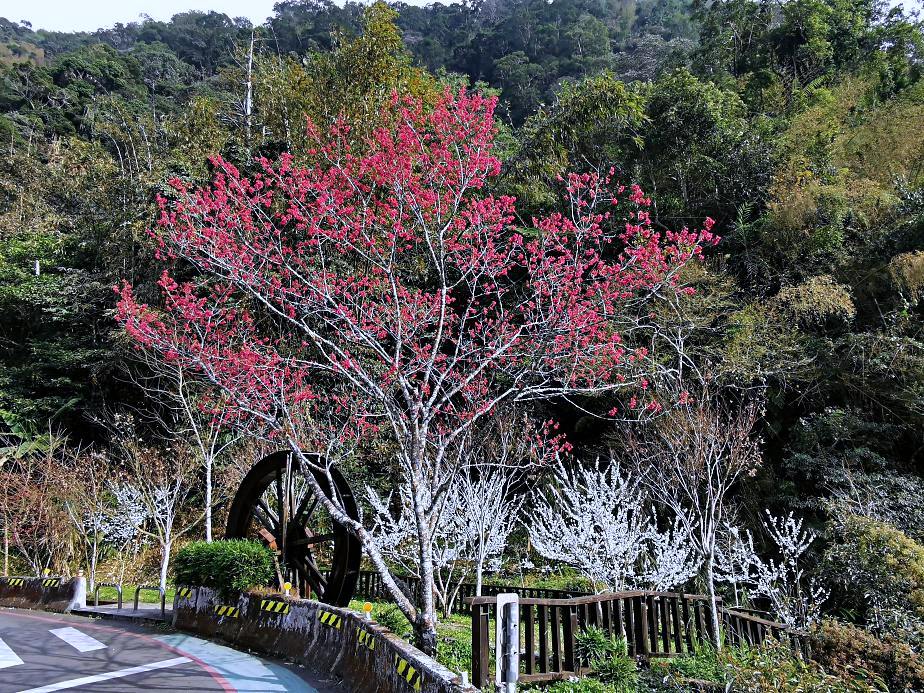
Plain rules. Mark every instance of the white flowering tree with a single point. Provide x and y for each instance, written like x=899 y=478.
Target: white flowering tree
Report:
x=689 y=461
x=795 y=596
x=734 y=558
x=161 y=481
x=671 y=558
x=490 y=511
x=123 y=523
x=472 y=527
x=597 y=519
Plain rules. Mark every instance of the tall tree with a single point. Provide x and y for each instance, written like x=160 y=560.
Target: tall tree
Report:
x=386 y=292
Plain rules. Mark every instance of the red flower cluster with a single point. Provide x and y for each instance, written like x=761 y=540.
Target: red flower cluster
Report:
x=388 y=287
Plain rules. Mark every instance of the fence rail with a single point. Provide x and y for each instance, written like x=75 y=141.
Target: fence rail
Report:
x=370 y=586
x=654 y=624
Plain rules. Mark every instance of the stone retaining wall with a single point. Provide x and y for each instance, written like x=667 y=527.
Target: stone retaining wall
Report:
x=332 y=642
x=47 y=593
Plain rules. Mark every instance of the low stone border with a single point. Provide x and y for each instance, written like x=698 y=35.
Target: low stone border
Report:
x=57 y=594
x=327 y=640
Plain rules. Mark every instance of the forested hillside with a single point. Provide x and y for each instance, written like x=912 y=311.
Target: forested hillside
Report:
x=797 y=125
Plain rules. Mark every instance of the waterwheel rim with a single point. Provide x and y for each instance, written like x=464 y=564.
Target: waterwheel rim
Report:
x=276 y=503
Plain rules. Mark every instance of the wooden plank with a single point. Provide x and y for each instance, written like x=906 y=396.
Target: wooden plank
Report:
x=687 y=624
x=529 y=627
x=480 y=645
x=665 y=625
x=677 y=626
x=543 y=638
x=556 y=638
x=641 y=626
x=569 y=630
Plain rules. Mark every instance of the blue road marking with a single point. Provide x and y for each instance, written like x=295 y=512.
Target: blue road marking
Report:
x=243 y=671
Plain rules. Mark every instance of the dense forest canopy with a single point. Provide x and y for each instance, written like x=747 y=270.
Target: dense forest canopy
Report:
x=798 y=125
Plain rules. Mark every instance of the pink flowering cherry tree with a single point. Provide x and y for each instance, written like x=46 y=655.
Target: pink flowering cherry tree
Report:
x=389 y=294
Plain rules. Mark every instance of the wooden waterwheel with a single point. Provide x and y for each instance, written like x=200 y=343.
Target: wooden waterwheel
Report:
x=276 y=503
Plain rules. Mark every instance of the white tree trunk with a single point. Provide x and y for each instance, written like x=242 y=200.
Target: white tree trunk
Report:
x=165 y=562
x=713 y=601
x=208 y=498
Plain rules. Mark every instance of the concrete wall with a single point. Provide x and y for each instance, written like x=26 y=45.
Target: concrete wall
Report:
x=46 y=593
x=333 y=642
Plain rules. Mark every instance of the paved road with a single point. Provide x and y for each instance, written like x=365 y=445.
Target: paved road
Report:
x=41 y=653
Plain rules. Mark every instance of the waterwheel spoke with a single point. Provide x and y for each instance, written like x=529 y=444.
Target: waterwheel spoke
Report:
x=312 y=539
x=265 y=517
x=310 y=572
x=304 y=510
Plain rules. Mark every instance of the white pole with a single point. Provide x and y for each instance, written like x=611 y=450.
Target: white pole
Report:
x=507 y=642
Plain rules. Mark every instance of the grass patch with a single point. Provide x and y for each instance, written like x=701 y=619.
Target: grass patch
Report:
x=109 y=594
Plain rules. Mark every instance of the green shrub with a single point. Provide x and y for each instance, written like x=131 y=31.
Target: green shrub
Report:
x=621 y=673
x=391 y=617
x=594 y=644
x=774 y=668
x=454 y=654
x=228 y=566
x=579 y=686
x=845 y=649
x=880 y=570
x=703 y=664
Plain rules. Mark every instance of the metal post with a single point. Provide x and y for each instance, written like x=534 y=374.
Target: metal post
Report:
x=507 y=642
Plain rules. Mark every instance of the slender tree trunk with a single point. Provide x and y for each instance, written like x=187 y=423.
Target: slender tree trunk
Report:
x=425 y=625
x=208 y=498
x=479 y=576
x=165 y=562
x=91 y=578
x=248 y=97
x=713 y=601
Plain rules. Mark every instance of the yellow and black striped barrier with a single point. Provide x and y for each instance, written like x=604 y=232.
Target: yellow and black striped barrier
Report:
x=51 y=582
x=16 y=582
x=184 y=592
x=274 y=606
x=365 y=638
x=330 y=619
x=408 y=672
x=229 y=611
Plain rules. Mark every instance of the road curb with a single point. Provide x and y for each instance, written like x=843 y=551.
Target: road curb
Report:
x=126 y=618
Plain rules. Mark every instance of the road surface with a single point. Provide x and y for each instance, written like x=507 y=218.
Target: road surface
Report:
x=41 y=653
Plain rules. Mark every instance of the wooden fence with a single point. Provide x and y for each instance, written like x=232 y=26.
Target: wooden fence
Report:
x=369 y=586
x=654 y=624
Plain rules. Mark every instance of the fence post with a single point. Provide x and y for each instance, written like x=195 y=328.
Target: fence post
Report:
x=570 y=627
x=480 y=647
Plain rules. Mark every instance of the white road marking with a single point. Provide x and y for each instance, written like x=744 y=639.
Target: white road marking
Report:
x=79 y=641
x=121 y=673
x=8 y=658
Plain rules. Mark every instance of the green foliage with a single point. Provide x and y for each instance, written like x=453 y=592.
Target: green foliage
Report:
x=703 y=664
x=880 y=571
x=594 y=644
x=454 y=654
x=849 y=651
x=608 y=658
x=229 y=566
x=586 y=685
x=621 y=673
x=774 y=668
x=391 y=617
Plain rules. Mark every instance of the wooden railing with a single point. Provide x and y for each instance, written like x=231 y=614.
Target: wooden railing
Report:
x=654 y=624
